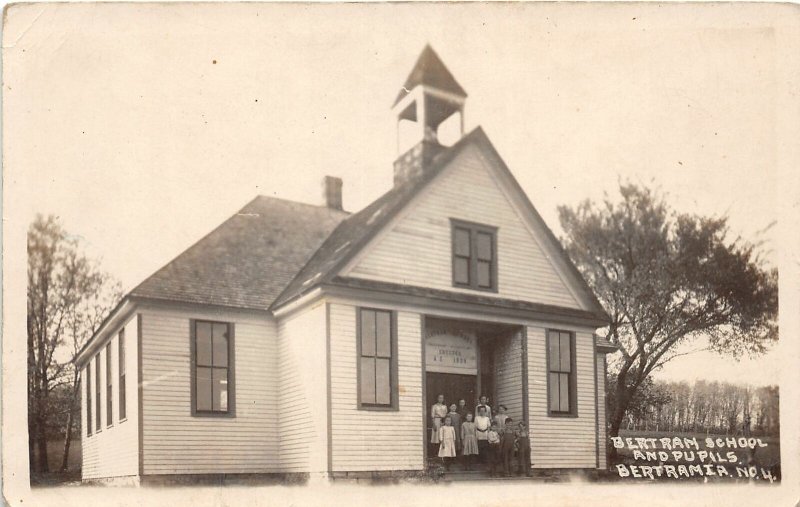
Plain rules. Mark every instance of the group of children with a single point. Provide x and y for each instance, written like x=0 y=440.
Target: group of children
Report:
x=493 y=440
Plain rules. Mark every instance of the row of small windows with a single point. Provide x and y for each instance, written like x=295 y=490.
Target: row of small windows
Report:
x=93 y=399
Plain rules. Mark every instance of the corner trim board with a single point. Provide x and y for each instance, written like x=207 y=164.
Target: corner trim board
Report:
x=140 y=390
x=328 y=379
x=424 y=391
x=525 y=391
x=596 y=405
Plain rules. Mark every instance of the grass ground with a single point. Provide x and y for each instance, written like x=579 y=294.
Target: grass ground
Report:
x=55 y=452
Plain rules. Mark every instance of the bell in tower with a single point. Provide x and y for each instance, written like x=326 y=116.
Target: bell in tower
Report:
x=429 y=97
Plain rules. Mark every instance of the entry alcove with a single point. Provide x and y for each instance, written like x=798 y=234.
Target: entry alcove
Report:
x=464 y=359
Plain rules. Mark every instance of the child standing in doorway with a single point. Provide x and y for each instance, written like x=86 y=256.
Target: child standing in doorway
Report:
x=507 y=439
x=501 y=417
x=484 y=404
x=455 y=418
x=493 y=441
x=463 y=410
x=523 y=449
x=447 y=442
x=438 y=412
x=482 y=425
x=469 y=441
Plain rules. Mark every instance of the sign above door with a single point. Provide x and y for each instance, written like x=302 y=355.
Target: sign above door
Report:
x=449 y=352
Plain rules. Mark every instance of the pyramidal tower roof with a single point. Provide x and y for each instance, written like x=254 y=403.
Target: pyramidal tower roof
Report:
x=430 y=71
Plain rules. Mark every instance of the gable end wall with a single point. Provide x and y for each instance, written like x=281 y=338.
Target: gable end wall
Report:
x=417 y=248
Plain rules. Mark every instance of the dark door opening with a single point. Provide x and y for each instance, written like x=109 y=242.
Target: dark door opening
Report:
x=454 y=387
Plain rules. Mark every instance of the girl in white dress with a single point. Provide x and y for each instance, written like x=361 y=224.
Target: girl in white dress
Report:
x=438 y=413
x=447 y=442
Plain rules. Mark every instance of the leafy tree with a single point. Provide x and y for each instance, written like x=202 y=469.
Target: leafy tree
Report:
x=650 y=397
x=667 y=279
x=67 y=295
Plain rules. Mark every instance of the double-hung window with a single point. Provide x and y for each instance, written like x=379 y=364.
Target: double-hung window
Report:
x=121 y=367
x=474 y=255
x=212 y=368
x=88 y=380
x=561 y=372
x=377 y=359
x=109 y=387
x=98 y=422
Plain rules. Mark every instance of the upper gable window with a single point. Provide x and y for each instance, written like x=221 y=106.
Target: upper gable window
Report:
x=474 y=255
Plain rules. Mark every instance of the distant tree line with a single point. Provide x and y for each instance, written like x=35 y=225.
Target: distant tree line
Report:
x=705 y=407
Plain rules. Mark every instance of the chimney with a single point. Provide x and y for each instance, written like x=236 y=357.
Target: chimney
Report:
x=332 y=192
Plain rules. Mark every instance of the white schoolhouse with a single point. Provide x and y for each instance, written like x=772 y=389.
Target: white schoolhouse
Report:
x=300 y=339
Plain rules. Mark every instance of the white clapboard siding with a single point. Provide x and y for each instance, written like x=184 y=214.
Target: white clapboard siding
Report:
x=601 y=411
x=174 y=441
x=417 y=250
x=508 y=365
x=303 y=392
x=562 y=442
x=364 y=440
x=113 y=451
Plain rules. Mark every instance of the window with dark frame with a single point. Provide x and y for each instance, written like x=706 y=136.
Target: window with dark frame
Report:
x=88 y=380
x=376 y=361
x=561 y=371
x=213 y=361
x=98 y=415
x=109 y=387
x=121 y=353
x=474 y=255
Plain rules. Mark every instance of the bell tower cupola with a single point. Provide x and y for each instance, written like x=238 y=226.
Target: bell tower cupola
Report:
x=430 y=99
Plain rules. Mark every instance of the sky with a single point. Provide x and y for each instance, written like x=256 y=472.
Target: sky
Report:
x=143 y=127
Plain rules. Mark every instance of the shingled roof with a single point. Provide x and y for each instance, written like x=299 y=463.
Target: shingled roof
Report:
x=431 y=71
x=353 y=233
x=249 y=259
x=273 y=251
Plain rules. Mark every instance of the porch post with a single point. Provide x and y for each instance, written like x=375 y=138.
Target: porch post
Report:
x=425 y=436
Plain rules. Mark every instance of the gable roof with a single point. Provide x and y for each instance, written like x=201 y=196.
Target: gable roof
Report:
x=273 y=251
x=355 y=232
x=430 y=71
x=247 y=260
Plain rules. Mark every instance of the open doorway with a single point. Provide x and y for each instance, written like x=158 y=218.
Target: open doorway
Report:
x=465 y=360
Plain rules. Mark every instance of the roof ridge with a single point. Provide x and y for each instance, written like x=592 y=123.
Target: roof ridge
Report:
x=357 y=243
x=284 y=199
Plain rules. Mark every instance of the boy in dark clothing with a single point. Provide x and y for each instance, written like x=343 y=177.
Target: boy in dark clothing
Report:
x=493 y=455
x=507 y=447
x=523 y=449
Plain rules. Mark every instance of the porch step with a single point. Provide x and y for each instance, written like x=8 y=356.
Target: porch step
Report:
x=484 y=476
